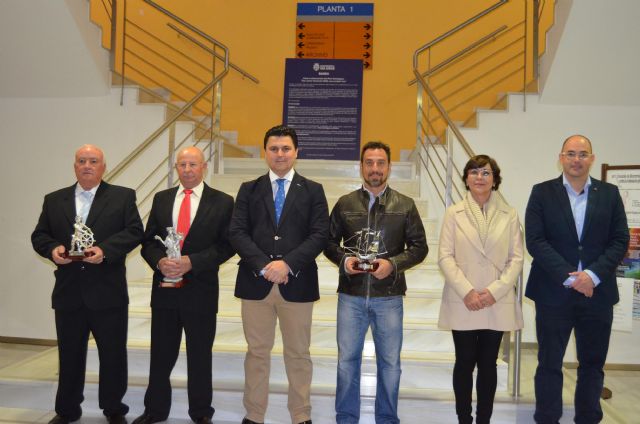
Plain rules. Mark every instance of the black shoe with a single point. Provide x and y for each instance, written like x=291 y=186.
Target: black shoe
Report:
x=305 y=422
x=116 y=419
x=203 y=420
x=248 y=421
x=146 y=418
x=59 y=420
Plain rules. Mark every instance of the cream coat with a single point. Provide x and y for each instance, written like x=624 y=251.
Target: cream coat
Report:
x=467 y=265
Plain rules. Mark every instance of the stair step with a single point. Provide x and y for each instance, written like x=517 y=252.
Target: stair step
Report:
x=314 y=168
x=333 y=186
x=425 y=374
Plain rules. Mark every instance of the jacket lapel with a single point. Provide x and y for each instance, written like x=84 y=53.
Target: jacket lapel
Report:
x=497 y=227
x=203 y=208
x=290 y=200
x=468 y=229
x=99 y=202
x=69 y=204
x=266 y=192
x=565 y=207
x=166 y=211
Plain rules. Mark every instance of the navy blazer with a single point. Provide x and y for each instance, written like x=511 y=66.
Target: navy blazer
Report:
x=553 y=242
x=299 y=237
x=206 y=244
x=117 y=229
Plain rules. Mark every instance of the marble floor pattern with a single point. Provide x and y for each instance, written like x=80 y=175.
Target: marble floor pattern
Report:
x=27 y=391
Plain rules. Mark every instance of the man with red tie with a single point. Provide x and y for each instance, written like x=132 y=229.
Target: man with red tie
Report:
x=201 y=215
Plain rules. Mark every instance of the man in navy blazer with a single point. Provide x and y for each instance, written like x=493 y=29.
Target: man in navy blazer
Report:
x=576 y=232
x=280 y=224
x=193 y=306
x=90 y=296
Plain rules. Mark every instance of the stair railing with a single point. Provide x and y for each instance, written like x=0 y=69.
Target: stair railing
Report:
x=442 y=150
x=209 y=125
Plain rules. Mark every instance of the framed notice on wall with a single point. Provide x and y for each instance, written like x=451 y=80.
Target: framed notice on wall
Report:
x=323 y=103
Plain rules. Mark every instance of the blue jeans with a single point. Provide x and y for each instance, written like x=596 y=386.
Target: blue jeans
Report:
x=355 y=315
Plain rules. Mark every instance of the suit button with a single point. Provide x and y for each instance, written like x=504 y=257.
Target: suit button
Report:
x=82 y=267
x=579 y=247
x=276 y=238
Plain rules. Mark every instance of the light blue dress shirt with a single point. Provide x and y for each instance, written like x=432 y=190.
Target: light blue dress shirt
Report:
x=578 y=203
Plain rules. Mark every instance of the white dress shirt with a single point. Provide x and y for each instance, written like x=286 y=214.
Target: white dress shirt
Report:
x=195 y=202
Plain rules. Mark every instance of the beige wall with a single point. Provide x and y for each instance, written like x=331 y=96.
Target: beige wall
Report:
x=261 y=34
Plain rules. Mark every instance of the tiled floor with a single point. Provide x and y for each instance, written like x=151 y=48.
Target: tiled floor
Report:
x=27 y=391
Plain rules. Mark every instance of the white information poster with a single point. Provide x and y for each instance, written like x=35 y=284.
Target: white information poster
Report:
x=623 y=310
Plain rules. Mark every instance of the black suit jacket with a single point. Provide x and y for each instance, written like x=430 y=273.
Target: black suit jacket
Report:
x=117 y=229
x=299 y=237
x=553 y=242
x=206 y=244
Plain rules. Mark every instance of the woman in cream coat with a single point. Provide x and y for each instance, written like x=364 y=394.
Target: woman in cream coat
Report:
x=480 y=254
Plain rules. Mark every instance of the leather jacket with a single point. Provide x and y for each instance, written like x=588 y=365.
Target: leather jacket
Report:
x=401 y=233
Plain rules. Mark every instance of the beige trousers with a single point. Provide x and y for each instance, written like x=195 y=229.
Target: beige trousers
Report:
x=259 y=323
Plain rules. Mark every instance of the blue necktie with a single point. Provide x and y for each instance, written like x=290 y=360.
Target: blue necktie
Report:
x=279 y=200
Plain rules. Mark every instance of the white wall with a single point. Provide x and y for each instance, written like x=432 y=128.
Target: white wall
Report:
x=49 y=48
x=596 y=60
x=526 y=147
x=39 y=137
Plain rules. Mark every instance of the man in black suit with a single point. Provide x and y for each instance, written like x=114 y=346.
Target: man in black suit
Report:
x=280 y=224
x=577 y=234
x=193 y=304
x=90 y=296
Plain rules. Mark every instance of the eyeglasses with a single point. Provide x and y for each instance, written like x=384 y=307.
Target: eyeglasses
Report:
x=571 y=155
x=480 y=172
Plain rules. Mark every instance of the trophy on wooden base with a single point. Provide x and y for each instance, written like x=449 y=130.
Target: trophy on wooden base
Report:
x=81 y=239
x=366 y=245
x=172 y=243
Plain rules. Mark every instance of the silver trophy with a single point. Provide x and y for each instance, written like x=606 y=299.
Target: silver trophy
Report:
x=172 y=243
x=366 y=245
x=81 y=239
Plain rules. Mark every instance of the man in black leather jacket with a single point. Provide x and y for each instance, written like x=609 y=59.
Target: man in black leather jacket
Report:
x=374 y=219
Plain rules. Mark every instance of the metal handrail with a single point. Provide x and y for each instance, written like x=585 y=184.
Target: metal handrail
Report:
x=179 y=97
x=461 y=53
x=149 y=140
x=210 y=86
x=167 y=45
x=443 y=112
x=211 y=51
x=424 y=87
x=453 y=31
x=476 y=63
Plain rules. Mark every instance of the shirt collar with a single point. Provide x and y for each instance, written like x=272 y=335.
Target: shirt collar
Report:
x=197 y=190
x=567 y=185
x=371 y=195
x=288 y=176
x=79 y=189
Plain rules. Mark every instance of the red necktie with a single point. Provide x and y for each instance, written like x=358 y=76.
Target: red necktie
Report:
x=184 y=217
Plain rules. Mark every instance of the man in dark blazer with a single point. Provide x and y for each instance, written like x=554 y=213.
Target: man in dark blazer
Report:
x=280 y=224
x=90 y=296
x=577 y=234
x=194 y=304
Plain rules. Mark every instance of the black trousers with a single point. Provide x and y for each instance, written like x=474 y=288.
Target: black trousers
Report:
x=591 y=323
x=109 y=329
x=166 y=334
x=475 y=348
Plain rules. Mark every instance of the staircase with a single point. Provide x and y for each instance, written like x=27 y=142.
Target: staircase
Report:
x=427 y=351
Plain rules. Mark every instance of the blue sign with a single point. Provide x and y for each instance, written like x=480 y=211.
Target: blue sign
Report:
x=335 y=9
x=323 y=103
